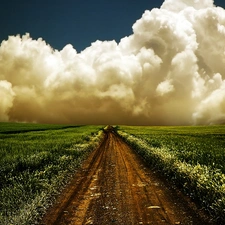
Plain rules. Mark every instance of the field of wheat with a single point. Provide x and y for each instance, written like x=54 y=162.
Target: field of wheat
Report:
x=36 y=161
x=192 y=157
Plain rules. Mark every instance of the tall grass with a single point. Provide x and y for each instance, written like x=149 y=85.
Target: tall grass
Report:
x=35 y=165
x=193 y=157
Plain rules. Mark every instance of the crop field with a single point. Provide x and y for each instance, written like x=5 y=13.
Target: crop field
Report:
x=35 y=163
x=192 y=157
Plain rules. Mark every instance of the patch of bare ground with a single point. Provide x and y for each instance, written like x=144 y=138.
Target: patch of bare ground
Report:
x=114 y=187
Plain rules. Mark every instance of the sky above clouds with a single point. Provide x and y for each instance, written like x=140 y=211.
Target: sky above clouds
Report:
x=72 y=22
x=113 y=62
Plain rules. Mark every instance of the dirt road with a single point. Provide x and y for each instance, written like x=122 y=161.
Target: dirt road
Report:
x=115 y=187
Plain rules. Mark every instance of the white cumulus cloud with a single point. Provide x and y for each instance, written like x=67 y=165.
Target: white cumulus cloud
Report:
x=169 y=71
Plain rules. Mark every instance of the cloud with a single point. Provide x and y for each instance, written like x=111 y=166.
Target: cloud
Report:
x=170 y=71
x=7 y=96
x=180 y=5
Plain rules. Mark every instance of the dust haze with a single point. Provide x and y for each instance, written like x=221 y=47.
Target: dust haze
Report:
x=170 y=71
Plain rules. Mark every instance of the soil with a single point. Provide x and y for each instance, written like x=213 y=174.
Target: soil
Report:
x=114 y=186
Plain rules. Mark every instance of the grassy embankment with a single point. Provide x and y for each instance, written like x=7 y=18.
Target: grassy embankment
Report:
x=192 y=157
x=36 y=161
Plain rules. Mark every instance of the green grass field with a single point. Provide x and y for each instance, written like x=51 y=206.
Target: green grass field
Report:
x=13 y=128
x=35 y=162
x=193 y=157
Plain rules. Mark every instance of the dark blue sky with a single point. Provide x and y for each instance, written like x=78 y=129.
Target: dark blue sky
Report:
x=76 y=22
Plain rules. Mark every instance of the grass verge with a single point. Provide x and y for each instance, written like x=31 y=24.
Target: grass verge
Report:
x=36 y=165
x=202 y=182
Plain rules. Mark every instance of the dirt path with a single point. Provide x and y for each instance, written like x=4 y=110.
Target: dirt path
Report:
x=114 y=187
